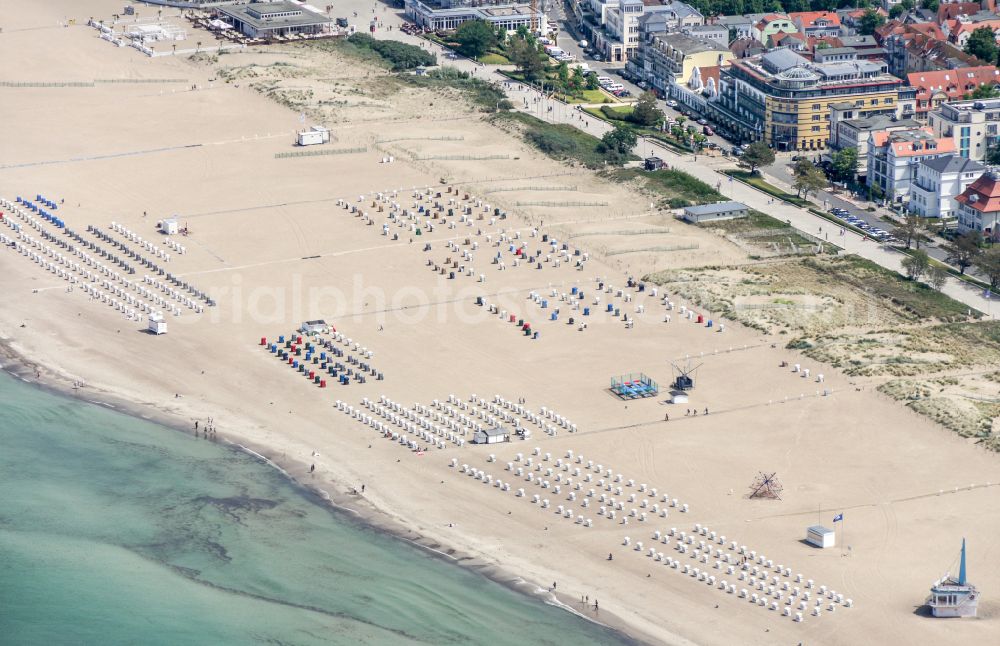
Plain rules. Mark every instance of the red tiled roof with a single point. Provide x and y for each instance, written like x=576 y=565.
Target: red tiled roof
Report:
x=905 y=148
x=710 y=72
x=963 y=27
x=954 y=83
x=987 y=192
x=947 y=11
x=809 y=18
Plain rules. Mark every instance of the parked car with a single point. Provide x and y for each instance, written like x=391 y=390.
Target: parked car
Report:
x=703 y=122
x=671 y=103
x=707 y=130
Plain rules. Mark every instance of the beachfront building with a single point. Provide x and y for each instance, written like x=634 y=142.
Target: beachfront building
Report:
x=446 y=15
x=623 y=26
x=893 y=159
x=784 y=99
x=628 y=24
x=672 y=58
x=934 y=88
x=979 y=206
x=939 y=181
x=269 y=19
x=852 y=128
x=972 y=124
x=718 y=211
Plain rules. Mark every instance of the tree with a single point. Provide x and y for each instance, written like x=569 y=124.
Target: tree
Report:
x=909 y=230
x=592 y=82
x=562 y=71
x=930 y=5
x=937 y=276
x=982 y=44
x=757 y=155
x=896 y=11
x=808 y=178
x=645 y=113
x=524 y=53
x=964 y=250
x=916 y=264
x=986 y=91
x=617 y=144
x=845 y=164
x=870 y=21
x=988 y=262
x=475 y=38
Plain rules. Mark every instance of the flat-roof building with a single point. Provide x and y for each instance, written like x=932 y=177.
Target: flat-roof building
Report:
x=446 y=15
x=270 y=19
x=717 y=211
x=974 y=125
x=785 y=99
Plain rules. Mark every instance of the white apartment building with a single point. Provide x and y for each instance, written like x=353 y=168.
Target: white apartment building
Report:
x=939 y=181
x=972 y=124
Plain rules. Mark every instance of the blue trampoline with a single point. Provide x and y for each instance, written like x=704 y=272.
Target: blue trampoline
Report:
x=634 y=386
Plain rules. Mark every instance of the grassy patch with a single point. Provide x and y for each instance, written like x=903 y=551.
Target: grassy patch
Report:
x=761 y=230
x=923 y=302
x=494 y=59
x=676 y=188
x=559 y=141
x=758 y=182
x=480 y=93
x=391 y=54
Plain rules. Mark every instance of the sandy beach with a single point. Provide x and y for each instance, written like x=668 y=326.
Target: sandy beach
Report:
x=276 y=241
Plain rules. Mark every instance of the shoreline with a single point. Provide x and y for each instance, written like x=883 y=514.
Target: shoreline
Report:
x=370 y=517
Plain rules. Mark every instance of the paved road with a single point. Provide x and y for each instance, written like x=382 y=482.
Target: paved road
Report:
x=704 y=168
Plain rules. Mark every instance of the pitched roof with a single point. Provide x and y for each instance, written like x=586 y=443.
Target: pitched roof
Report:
x=953 y=164
x=954 y=83
x=963 y=27
x=710 y=72
x=947 y=11
x=808 y=19
x=983 y=194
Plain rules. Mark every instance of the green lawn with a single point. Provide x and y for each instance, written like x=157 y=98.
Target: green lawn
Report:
x=494 y=59
x=757 y=181
x=559 y=141
x=676 y=188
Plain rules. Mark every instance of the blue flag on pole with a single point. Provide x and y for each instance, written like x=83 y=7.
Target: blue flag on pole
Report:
x=838 y=518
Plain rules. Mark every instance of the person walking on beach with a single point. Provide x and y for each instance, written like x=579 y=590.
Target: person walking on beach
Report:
x=362 y=488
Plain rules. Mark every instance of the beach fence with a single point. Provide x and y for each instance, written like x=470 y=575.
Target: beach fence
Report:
x=506 y=189
x=621 y=232
x=459 y=157
x=562 y=204
x=383 y=140
x=662 y=248
x=325 y=151
x=46 y=84
x=134 y=81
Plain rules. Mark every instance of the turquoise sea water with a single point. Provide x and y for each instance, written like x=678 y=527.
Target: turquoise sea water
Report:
x=117 y=531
